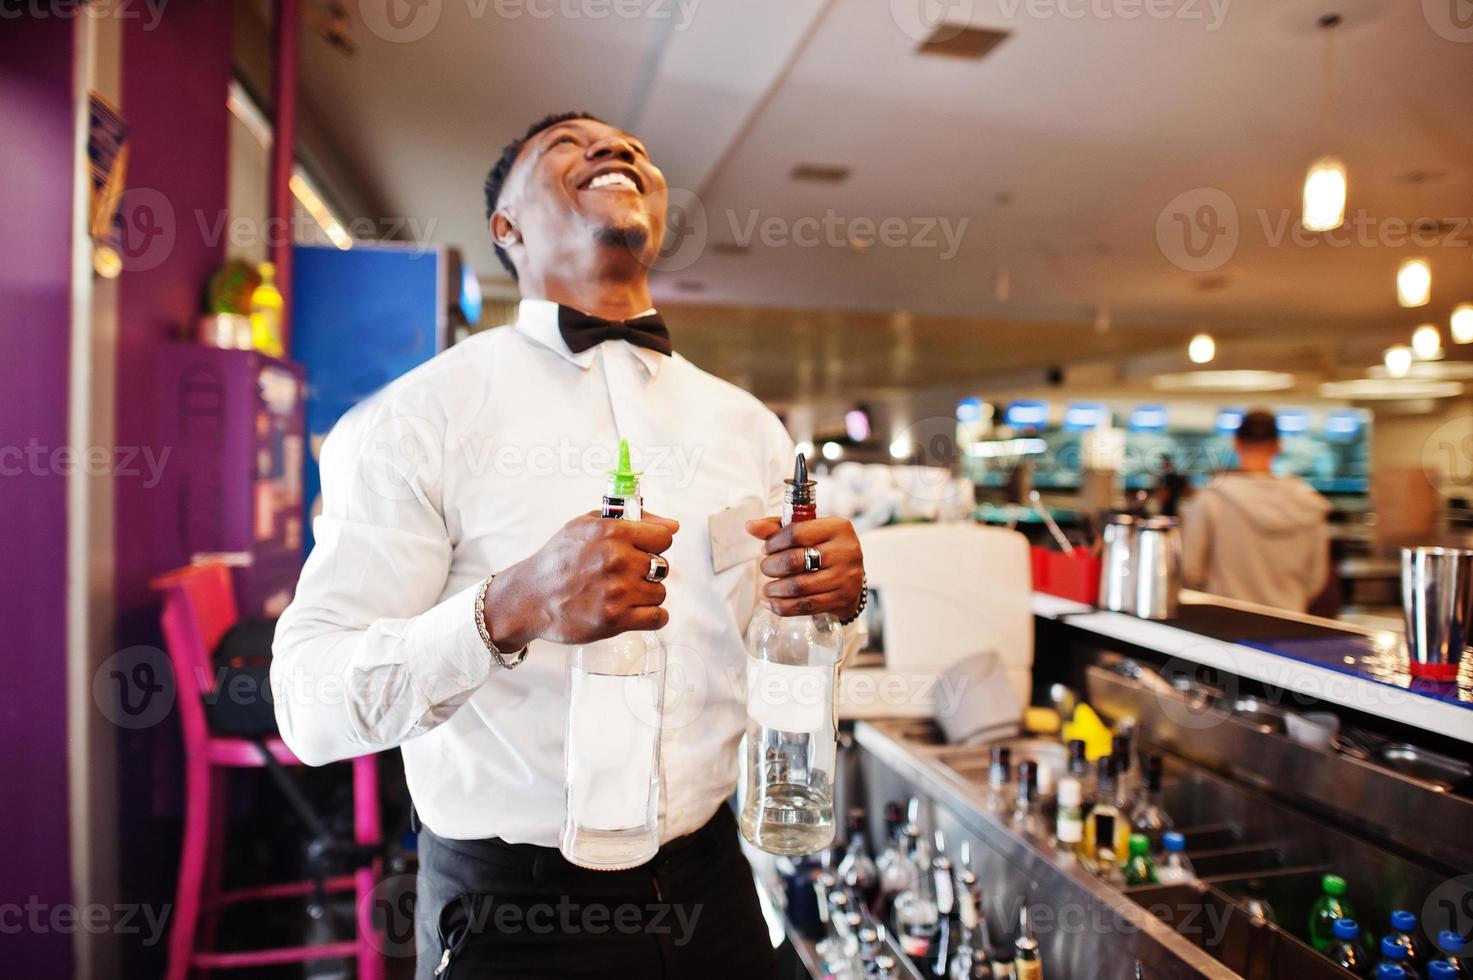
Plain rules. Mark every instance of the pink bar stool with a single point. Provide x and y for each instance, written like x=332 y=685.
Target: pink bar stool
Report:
x=199 y=607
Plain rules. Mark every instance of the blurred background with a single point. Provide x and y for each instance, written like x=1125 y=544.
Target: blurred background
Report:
x=1018 y=244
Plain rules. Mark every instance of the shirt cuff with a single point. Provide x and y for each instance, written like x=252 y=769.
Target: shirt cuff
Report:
x=455 y=661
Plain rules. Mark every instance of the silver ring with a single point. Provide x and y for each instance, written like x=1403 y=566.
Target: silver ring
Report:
x=659 y=568
x=812 y=560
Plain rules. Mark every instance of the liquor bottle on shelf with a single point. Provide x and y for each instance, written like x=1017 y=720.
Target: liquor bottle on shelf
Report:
x=1105 y=828
x=787 y=801
x=1028 y=808
x=1346 y=948
x=612 y=737
x=915 y=907
x=1392 y=951
x=1126 y=777
x=1149 y=817
x=1027 y=964
x=970 y=961
x=1107 y=867
x=1404 y=930
x=1175 y=867
x=1330 y=906
x=947 y=928
x=830 y=948
x=1080 y=769
x=893 y=866
x=857 y=870
x=1069 y=826
x=1139 y=868
x=1452 y=948
x=886 y=968
x=1256 y=903
x=1000 y=781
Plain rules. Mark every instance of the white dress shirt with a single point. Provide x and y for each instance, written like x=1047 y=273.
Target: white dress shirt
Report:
x=466 y=465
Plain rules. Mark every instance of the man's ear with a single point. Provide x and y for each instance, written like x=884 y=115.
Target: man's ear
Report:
x=503 y=229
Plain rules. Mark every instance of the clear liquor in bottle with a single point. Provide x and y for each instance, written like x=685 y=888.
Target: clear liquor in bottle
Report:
x=1150 y=816
x=787 y=798
x=972 y=949
x=1175 y=867
x=612 y=740
x=948 y=932
x=1028 y=808
x=894 y=862
x=1000 y=781
x=915 y=907
x=857 y=870
x=1081 y=770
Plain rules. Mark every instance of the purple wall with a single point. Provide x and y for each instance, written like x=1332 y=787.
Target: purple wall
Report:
x=175 y=78
x=35 y=265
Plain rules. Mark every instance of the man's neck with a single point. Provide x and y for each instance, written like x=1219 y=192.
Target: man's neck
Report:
x=612 y=298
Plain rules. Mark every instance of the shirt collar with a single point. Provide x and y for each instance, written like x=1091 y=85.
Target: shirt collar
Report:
x=537 y=321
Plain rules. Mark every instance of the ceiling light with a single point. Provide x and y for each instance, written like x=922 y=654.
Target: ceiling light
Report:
x=901 y=448
x=1414 y=283
x=1433 y=370
x=1236 y=380
x=1398 y=360
x=1460 y=324
x=832 y=451
x=1202 y=349
x=1324 y=195
x=1389 y=389
x=1426 y=343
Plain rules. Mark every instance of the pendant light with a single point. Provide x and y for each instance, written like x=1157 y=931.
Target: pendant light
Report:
x=1460 y=324
x=1427 y=342
x=1325 y=185
x=1414 y=283
x=1202 y=349
x=1398 y=360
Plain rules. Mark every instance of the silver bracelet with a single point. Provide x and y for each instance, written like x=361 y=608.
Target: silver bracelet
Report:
x=496 y=653
x=863 y=599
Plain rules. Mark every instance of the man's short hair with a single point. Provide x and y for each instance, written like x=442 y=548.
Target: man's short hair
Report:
x=1259 y=428
x=497 y=177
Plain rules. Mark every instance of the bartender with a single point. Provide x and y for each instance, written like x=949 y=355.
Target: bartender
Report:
x=456 y=560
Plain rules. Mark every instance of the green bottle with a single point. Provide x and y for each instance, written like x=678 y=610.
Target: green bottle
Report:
x=1329 y=907
x=1139 y=869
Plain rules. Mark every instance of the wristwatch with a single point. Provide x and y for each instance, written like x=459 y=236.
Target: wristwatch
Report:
x=502 y=659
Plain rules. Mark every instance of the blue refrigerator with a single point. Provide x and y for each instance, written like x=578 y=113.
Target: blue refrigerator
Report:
x=360 y=318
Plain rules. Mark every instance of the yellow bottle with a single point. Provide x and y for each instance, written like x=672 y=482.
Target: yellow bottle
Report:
x=266 y=305
x=1106 y=826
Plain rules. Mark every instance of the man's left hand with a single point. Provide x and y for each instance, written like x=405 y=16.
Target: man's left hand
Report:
x=833 y=589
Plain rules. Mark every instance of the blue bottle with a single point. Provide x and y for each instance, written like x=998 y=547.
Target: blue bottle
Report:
x=1404 y=930
x=1346 y=950
x=1395 y=954
x=1441 y=970
x=1390 y=971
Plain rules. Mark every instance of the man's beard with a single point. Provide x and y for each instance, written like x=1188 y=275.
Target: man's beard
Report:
x=634 y=237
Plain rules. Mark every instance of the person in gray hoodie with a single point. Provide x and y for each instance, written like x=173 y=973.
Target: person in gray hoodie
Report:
x=1255 y=536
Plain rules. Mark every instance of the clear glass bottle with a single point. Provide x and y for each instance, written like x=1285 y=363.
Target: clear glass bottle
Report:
x=916 y=917
x=792 y=663
x=1149 y=816
x=1027 y=963
x=1256 y=903
x=948 y=931
x=1028 y=809
x=612 y=740
x=1000 y=781
x=1127 y=783
x=1080 y=769
x=971 y=950
x=893 y=863
x=857 y=871
x=1175 y=866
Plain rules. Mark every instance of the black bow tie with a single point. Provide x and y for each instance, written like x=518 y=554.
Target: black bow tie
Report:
x=581 y=331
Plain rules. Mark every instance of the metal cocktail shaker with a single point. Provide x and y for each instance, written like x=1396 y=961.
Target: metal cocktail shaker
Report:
x=1437 y=597
x=1142 y=566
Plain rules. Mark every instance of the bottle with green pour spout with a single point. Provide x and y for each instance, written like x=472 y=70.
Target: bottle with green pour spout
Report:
x=791 y=745
x=612 y=746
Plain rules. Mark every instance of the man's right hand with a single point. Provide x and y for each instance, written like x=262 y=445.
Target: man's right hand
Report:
x=586 y=583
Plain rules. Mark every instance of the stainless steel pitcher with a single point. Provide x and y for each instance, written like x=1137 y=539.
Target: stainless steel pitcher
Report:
x=1142 y=566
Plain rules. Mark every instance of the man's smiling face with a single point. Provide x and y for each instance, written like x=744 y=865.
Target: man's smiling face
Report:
x=581 y=185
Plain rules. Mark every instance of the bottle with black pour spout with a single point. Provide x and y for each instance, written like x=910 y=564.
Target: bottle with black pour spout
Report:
x=792 y=665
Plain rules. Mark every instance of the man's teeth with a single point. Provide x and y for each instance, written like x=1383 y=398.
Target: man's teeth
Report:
x=612 y=180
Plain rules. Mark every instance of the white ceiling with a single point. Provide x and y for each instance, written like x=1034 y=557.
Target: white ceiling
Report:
x=1092 y=125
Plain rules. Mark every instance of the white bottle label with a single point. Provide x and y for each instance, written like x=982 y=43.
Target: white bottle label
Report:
x=790 y=698
x=1071 y=830
x=613 y=748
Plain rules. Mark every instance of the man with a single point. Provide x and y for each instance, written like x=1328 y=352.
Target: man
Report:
x=464 y=488
x=1255 y=536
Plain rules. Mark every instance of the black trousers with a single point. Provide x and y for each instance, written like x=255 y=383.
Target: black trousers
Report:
x=517 y=910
